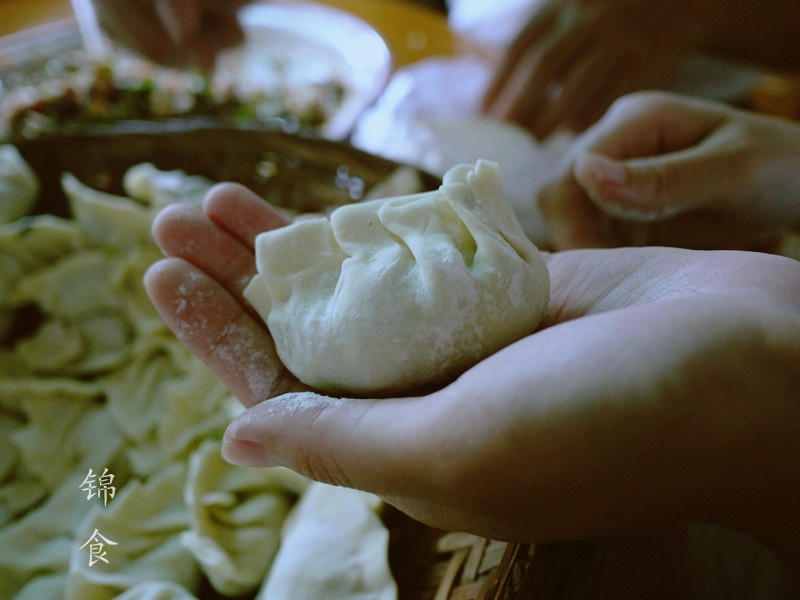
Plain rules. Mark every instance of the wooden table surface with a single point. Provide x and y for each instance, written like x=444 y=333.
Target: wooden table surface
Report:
x=22 y=14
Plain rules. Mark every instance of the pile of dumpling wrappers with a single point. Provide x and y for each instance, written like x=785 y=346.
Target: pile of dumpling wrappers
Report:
x=100 y=385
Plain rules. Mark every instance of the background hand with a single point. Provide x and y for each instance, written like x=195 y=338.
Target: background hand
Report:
x=659 y=169
x=575 y=57
x=180 y=33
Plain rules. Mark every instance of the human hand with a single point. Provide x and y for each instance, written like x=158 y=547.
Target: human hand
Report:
x=663 y=384
x=198 y=288
x=659 y=169
x=180 y=33
x=575 y=57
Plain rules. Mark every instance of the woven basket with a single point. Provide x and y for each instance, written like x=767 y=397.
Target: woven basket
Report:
x=302 y=174
x=437 y=565
x=430 y=564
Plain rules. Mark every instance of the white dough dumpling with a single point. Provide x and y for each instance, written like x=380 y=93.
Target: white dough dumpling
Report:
x=19 y=185
x=398 y=293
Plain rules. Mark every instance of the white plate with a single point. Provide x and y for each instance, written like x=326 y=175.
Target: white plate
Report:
x=313 y=43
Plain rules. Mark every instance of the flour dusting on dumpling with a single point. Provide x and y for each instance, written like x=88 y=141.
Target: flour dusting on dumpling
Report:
x=402 y=292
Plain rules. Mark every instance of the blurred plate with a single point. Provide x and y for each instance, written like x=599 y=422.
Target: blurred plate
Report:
x=308 y=44
x=297 y=58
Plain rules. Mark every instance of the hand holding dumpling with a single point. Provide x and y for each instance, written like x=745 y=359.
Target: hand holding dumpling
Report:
x=629 y=406
x=181 y=33
x=402 y=292
x=574 y=58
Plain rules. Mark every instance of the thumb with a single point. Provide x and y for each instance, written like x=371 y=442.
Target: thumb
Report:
x=365 y=444
x=642 y=189
x=181 y=20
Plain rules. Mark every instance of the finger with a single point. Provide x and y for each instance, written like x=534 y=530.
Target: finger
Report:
x=223 y=30
x=241 y=212
x=182 y=20
x=200 y=31
x=619 y=81
x=651 y=123
x=539 y=75
x=185 y=232
x=213 y=325
x=394 y=448
x=572 y=220
x=540 y=78
x=581 y=91
x=136 y=25
x=656 y=188
x=373 y=445
x=526 y=39
x=220 y=30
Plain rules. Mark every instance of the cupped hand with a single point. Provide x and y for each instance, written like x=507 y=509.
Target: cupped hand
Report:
x=575 y=57
x=662 y=384
x=659 y=169
x=180 y=33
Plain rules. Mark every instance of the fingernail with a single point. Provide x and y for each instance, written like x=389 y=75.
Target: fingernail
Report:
x=245 y=453
x=640 y=214
x=602 y=169
x=610 y=186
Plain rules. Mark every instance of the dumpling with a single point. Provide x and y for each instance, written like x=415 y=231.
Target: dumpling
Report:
x=40 y=542
x=82 y=436
x=235 y=518
x=157 y=188
x=107 y=219
x=19 y=186
x=398 y=293
x=335 y=547
x=44 y=587
x=144 y=522
x=156 y=590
